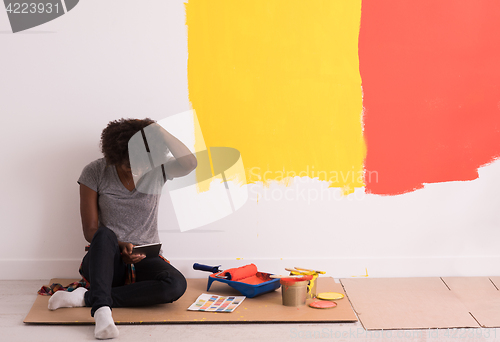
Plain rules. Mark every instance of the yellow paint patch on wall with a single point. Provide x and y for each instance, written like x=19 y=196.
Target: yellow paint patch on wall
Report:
x=279 y=81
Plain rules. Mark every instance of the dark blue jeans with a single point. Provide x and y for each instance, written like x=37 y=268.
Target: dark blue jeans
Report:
x=157 y=281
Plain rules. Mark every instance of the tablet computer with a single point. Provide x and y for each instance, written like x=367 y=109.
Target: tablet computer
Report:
x=150 y=250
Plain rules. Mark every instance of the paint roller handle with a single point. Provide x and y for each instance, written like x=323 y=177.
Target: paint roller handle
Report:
x=207 y=268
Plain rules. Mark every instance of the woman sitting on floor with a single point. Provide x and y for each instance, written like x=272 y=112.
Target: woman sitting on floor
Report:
x=119 y=209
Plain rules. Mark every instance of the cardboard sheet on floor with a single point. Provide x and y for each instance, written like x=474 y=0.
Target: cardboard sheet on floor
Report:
x=266 y=308
x=423 y=303
x=481 y=297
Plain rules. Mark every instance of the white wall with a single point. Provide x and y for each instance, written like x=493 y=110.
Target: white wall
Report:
x=60 y=83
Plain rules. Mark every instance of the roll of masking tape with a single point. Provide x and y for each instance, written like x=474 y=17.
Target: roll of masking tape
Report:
x=329 y=295
x=322 y=304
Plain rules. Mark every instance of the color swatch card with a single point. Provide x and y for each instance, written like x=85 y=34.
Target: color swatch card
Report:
x=208 y=302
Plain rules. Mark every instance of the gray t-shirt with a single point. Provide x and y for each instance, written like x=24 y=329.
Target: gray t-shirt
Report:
x=131 y=215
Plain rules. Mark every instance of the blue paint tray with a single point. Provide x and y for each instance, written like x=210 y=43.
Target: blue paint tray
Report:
x=249 y=290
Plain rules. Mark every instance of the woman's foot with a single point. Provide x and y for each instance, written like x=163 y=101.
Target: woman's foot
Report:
x=105 y=327
x=65 y=299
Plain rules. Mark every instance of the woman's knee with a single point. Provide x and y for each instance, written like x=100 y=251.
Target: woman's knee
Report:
x=174 y=286
x=181 y=286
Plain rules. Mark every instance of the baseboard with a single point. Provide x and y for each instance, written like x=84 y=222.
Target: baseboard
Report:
x=26 y=269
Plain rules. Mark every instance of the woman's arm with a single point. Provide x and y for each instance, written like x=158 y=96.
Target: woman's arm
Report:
x=184 y=162
x=88 y=211
x=90 y=222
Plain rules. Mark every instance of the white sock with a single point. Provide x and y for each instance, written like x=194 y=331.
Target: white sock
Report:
x=65 y=299
x=104 y=324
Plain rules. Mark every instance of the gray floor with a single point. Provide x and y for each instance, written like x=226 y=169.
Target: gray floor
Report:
x=16 y=298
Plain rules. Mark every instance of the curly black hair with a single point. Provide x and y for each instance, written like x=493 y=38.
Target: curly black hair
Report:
x=115 y=137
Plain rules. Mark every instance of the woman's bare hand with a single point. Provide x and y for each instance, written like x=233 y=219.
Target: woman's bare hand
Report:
x=127 y=256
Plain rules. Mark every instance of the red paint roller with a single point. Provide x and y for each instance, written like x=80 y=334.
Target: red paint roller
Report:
x=234 y=274
x=239 y=273
x=245 y=274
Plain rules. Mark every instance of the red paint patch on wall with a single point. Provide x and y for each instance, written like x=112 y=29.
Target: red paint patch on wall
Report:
x=431 y=80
